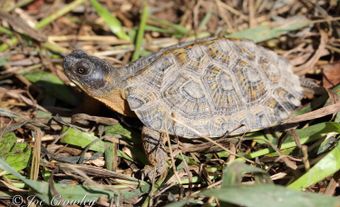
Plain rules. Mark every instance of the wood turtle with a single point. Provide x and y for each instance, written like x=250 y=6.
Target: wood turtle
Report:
x=204 y=88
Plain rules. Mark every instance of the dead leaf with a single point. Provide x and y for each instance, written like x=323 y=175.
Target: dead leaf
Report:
x=324 y=111
x=20 y=26
x=331 y=75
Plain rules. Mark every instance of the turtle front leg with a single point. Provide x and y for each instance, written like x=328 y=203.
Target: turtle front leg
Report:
x=155 y=152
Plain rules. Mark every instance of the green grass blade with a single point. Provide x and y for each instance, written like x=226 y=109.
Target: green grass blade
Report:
x=44 y=22
x=78 y=193
x=4 y=30
x=61 y=12
x=272 y=30
x=129 y=136
x=117 y=129
x=82 y=139
x=110 y=155
x=140 y=34
x=113 y=23
x=327 y=166
x=175 y=29
x=234 y=173
x=9 y=43
x=270 y=195
x=182 y=203
x=306 y=135
x=33 y=184
x=52 y=86
x=55 y=47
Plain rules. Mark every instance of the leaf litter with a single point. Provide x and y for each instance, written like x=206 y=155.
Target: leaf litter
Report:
x=57 y=141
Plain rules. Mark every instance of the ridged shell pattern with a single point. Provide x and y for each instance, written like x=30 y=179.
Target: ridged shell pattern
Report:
x=212 y=88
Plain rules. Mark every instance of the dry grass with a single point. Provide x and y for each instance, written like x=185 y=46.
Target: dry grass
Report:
x=53 y=134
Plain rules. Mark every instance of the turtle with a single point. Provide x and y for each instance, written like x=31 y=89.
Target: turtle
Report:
x=203 y=88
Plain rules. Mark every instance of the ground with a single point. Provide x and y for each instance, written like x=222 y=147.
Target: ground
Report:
x=56 y=142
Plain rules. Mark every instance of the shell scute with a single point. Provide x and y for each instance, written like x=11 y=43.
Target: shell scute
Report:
x=212 y=87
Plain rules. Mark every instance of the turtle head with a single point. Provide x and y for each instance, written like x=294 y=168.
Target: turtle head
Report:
x=93 y=75
x=98 y=79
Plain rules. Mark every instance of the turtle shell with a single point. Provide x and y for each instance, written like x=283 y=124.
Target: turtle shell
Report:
x=213 y=87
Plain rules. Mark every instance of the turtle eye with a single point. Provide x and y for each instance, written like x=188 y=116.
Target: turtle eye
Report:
x=83 y=68
x=82 y=71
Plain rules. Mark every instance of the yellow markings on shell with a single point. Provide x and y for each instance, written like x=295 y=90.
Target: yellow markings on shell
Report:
x=280 y=92
x=181 y=56
x=271 y=103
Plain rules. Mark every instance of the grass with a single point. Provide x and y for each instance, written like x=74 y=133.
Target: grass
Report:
x=48 y=148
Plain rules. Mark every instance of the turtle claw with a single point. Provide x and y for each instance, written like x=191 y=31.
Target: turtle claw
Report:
x=152 y=172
